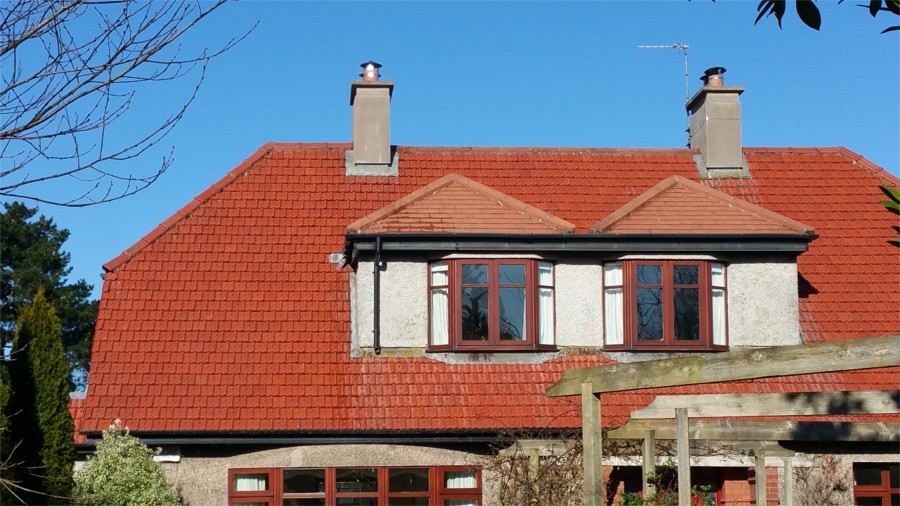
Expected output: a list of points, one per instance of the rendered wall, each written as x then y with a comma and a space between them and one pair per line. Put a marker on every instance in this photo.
763, 307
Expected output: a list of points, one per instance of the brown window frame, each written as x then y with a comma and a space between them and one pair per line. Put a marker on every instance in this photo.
882, 490
705, 288
437, 493
493, 285
252, 496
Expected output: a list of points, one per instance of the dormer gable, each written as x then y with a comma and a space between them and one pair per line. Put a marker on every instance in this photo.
677, 205
456, 204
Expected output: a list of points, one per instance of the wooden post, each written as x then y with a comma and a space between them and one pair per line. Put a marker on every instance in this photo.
788, 482
683, 454
649, 463
591, 440
760, 479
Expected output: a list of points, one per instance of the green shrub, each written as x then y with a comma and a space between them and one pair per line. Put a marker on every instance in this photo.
122, 471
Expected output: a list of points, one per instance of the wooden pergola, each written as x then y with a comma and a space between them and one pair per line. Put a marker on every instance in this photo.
668, 416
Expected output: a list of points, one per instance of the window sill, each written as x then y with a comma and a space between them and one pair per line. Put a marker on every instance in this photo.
668, 349
506, 349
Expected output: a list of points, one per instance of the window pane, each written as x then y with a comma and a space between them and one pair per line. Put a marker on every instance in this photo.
686, 275
895, 475
474, 314
687, 314
409, 501
408, 480
867, 474
251, 482
649, 314
612, 314
545, 274
512, 314
307, 501
868, 501
612, 275
357, 480
254, 503
439, 275
460, 502
357, 501
440, 319
304, 481
718, 275
545, 316
649, 274
460, 479
512, 274
718, 317
474, 274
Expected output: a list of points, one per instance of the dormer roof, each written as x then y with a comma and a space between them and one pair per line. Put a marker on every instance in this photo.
456, 204
677, 205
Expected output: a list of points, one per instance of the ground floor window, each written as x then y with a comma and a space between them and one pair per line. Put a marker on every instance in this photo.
355, 486
876, 484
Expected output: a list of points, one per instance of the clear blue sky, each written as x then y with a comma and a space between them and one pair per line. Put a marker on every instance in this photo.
502, 74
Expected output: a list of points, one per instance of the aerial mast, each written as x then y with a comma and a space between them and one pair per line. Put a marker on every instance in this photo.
679, 46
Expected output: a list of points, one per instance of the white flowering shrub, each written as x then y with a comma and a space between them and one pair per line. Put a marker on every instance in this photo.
122, 472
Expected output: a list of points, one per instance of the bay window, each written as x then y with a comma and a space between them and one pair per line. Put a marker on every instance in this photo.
665, 305
491, 304
356, 486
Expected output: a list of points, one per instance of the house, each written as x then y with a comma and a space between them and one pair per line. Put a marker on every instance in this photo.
360, 323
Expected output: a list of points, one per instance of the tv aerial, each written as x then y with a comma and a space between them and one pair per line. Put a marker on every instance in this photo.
683, 48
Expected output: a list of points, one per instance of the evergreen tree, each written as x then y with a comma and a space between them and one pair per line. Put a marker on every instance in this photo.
122, 471
32, 257
38, 410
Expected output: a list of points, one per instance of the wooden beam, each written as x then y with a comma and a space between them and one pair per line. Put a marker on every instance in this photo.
683, 455
760, 467
592, 443
851, 354
728, 430
648, 463
788, 482
807, 403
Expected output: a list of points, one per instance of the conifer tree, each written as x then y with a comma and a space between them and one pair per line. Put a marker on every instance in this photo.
38, 411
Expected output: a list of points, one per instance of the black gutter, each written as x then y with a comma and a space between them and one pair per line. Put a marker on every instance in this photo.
376, 324
275, 438
614, 243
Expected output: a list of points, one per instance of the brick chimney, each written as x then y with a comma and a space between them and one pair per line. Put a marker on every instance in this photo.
370, 99
715, 129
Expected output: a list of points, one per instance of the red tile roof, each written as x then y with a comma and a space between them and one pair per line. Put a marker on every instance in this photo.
455, 203
229, 316
679, 206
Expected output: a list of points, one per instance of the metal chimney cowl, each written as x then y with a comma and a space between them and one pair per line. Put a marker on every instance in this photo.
715, 127
370, 100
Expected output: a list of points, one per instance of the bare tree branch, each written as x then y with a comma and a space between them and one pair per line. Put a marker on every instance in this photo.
71, 69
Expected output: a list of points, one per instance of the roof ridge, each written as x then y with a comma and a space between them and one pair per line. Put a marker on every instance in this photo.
191, 206
671, 181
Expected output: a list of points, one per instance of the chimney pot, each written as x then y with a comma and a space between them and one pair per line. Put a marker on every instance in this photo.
370, 71
714, 76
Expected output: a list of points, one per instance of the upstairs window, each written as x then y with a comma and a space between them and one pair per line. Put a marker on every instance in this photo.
491, 305
664, 305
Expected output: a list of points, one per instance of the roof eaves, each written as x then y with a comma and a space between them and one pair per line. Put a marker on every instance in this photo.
191, 206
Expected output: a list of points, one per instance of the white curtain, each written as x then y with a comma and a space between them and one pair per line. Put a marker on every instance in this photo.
545, 304
460, 502
251, 482
613, 304
440, 321
460, 479
719, 329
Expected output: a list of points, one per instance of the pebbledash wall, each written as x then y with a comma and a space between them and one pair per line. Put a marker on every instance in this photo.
763, 307
202, 480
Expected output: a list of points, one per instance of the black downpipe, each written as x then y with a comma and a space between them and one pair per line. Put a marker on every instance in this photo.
376, 325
